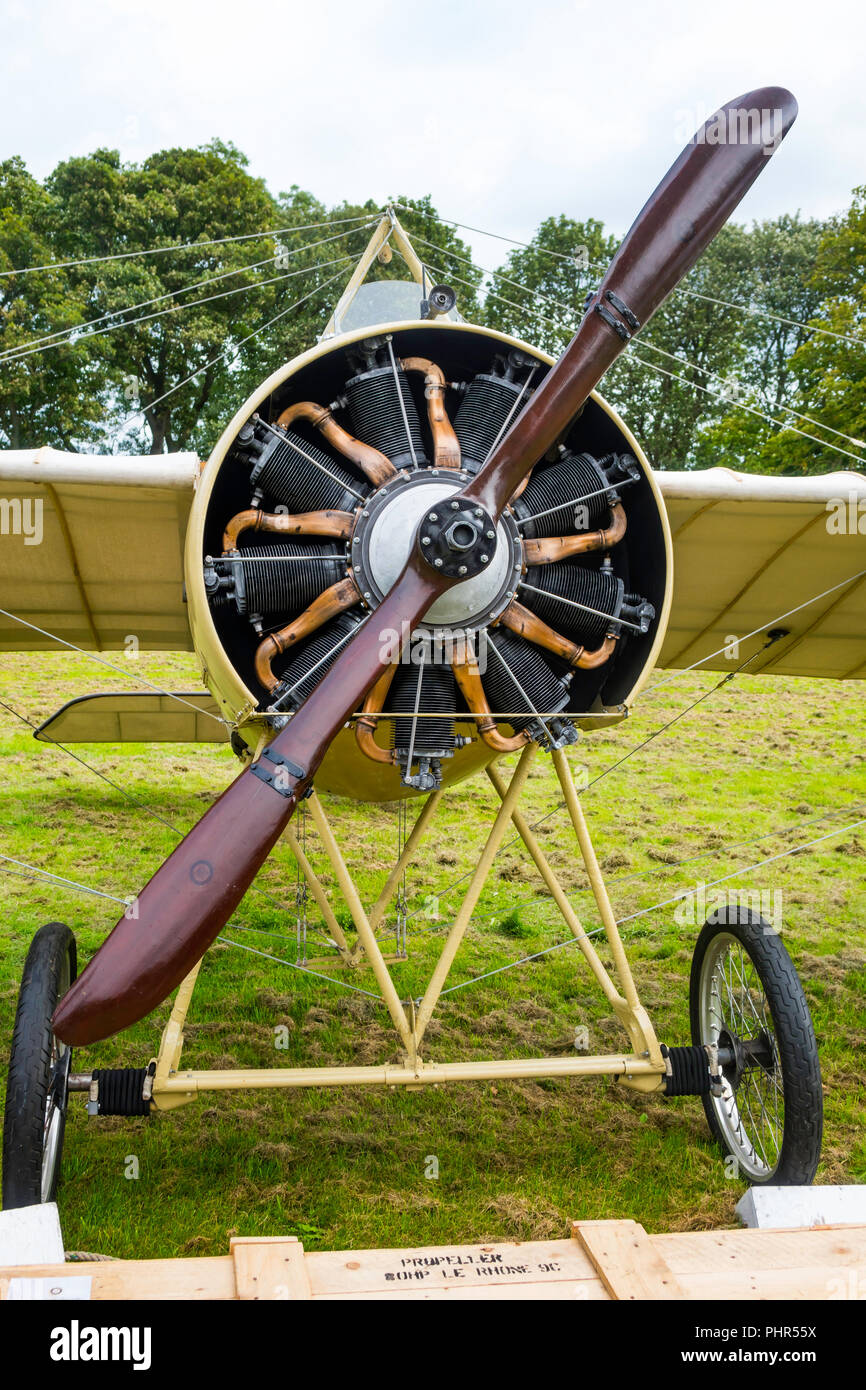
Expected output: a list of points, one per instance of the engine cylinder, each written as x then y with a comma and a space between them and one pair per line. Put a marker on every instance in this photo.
308, 664
374, 409
290, 471
563, 485
567, 584
516, 663
433, 737
260, 585
481, 415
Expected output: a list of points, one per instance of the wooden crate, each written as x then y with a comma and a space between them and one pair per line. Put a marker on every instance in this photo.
601, 1260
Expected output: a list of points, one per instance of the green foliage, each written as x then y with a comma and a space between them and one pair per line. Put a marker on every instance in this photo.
348, 1167
514, 925
725, 352
47, 397
715, 353
174, 197
538, 294
833, 370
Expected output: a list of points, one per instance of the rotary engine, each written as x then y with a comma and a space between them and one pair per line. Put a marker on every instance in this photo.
314, 509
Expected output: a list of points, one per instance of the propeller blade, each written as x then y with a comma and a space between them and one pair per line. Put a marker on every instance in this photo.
191, 897
675, 226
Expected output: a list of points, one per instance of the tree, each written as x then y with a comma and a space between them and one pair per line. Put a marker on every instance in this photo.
785, 286
436, 244
46, 397
539, 292
832, 370
201, 196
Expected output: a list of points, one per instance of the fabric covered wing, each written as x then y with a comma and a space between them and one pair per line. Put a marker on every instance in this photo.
186, 716
750, 548
91, 549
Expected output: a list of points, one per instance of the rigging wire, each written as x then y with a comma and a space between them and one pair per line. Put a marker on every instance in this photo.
235, 352
747, 309
184, 246
676, 675
130, 796
31, 871
58, 878
718, 850
177, 308
629, 355
110, 664
852, 579
728, 379
517, 839
67, 334
584, 936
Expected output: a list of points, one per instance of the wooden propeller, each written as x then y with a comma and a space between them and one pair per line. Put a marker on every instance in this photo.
191, 897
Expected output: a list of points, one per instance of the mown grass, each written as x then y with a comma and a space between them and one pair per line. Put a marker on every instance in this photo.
351, 1168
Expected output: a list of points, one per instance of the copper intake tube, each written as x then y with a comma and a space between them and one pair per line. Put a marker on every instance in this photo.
547, 552
377, 469
468, 678
446, 447
335, 524
365, 726
526, 624
330, 602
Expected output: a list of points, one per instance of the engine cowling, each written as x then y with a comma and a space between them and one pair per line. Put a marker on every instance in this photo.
304, 516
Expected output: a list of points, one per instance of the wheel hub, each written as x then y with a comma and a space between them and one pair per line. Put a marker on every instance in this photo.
737, 1055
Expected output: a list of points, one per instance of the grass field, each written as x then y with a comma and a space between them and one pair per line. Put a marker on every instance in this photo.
782, 759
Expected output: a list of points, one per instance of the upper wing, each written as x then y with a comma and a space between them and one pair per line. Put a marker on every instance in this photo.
749, 549
91, 549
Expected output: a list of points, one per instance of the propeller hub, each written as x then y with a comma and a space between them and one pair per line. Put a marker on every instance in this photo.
453, 541
484, 558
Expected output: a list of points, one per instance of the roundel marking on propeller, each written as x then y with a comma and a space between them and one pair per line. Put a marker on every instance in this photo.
144, 959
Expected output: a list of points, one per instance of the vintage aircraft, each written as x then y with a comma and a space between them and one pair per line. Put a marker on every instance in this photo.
417, 547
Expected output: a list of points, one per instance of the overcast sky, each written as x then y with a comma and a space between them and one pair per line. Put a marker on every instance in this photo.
505, 113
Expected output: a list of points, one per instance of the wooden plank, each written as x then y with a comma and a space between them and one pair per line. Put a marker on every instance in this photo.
493, 1266
581, 1291
269, 1267
603, 1259
810, 1283
201, 1278
628, 1263
31, 1233
697, 1251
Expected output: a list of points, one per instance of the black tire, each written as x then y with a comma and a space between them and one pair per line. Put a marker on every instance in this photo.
35, 1115
761, 987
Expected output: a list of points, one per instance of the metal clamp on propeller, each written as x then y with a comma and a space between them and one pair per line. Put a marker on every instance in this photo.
283, 776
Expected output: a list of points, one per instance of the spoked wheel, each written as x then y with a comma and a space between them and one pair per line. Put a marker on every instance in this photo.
746, 998
35, 1116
